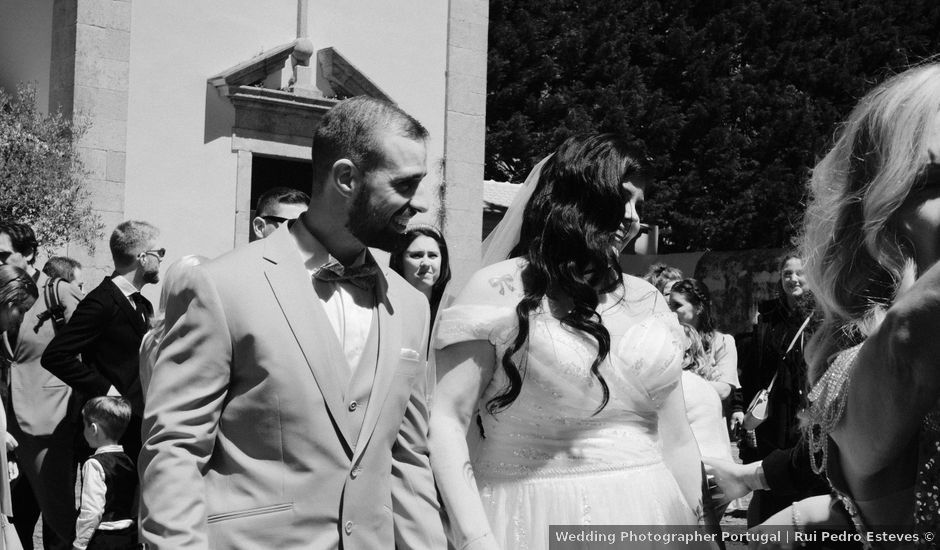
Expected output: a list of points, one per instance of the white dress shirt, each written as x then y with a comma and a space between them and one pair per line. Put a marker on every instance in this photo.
93, 500
348, 307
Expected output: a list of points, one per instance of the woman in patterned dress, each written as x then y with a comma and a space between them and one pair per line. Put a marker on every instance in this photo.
871, 243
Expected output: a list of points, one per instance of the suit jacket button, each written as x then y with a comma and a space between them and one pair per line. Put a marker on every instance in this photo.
353, 406
355, 472
348, 527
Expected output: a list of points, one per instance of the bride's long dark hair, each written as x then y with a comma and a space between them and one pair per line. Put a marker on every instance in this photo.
568, 237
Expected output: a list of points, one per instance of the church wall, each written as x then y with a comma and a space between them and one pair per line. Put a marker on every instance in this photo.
181, 170
26, 45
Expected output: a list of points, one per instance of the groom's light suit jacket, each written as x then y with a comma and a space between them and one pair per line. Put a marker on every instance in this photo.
256, 437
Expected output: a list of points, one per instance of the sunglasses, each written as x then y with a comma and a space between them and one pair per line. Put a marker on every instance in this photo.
158, 252
274, 220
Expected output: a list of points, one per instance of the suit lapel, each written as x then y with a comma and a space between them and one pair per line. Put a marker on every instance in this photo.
388, 357
309, 324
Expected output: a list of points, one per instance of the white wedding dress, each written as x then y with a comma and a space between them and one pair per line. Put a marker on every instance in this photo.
548, 459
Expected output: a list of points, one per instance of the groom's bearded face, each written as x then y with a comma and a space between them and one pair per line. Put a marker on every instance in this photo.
368, 224
386, 198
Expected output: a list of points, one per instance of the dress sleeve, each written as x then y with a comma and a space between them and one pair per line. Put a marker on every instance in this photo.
463, 323
726, 361
652, 351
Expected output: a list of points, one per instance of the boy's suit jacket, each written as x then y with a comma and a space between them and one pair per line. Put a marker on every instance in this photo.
256, 437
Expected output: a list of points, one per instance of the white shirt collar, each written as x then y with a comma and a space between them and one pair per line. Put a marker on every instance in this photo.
109, 449
311, 250
126, 287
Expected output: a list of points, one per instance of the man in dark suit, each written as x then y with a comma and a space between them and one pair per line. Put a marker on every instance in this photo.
108, 325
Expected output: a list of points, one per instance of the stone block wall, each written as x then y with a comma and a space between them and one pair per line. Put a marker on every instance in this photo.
465, 135
90, 76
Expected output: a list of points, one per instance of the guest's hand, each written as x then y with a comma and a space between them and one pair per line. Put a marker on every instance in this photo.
733, 480
11, 442
13, 470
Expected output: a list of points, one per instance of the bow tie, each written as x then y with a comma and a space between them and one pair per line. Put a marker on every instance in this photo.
362, 276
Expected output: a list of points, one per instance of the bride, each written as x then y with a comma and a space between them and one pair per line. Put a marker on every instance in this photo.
574, 369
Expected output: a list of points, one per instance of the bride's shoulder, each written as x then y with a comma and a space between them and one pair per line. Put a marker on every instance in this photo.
640, 292
496, 284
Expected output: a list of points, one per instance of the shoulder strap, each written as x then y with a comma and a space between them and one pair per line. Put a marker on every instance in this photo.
790, 347
54, 308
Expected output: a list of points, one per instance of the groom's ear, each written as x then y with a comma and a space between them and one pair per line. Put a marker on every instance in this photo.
344, 177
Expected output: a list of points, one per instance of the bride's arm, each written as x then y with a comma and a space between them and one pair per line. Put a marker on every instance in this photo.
463, 371
680, 449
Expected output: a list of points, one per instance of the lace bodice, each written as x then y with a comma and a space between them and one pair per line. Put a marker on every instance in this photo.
552, 427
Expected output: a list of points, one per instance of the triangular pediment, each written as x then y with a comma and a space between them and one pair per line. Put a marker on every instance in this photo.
335, 76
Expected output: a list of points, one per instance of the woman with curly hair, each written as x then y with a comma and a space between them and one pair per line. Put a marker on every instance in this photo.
574, 368
872, 245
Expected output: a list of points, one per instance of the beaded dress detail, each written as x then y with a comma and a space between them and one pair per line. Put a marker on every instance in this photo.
827, 404
548, 459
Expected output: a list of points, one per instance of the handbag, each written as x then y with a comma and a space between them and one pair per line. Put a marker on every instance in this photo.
758, 409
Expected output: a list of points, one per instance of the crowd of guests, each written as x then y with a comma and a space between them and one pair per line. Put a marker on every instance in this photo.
281, 395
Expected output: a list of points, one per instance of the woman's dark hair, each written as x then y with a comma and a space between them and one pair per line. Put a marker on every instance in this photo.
697, 293
396, 261
17, 288
568, 237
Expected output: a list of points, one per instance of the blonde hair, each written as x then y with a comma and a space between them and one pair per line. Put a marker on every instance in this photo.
855, 261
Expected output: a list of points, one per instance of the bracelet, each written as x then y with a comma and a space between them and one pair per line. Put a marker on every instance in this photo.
797, 521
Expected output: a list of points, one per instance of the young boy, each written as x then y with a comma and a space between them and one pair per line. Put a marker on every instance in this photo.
109, 480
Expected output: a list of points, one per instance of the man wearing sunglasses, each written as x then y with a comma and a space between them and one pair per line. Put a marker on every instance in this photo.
275, 207
108, 326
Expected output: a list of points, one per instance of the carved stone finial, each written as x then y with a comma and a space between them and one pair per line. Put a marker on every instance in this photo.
303, 51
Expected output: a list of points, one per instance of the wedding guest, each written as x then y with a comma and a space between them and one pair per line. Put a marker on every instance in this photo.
18, 293
663, 276
776, 353
704, 411
96, 352
601, 356
424, 262
692, 302
275, 207
871, 248
42, 412
109, 479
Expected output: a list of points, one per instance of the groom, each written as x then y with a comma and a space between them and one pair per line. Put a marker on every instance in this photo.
288, 405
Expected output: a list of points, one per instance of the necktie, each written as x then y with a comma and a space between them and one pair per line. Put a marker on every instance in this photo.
142, 306
363, 276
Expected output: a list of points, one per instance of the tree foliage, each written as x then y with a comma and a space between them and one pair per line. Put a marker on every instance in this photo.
42, 178
733, 100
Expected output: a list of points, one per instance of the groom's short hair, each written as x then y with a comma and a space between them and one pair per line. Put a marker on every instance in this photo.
353, 130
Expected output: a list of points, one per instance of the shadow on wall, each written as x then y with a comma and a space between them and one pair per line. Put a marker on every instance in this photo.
738, 280
220, 115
